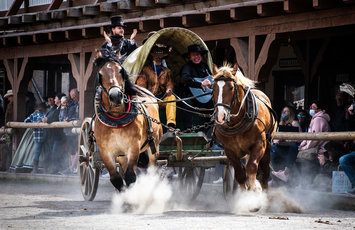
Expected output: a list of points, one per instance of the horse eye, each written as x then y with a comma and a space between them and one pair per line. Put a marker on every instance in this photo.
231, 88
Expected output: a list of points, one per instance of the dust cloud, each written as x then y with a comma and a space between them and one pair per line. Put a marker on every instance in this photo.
150, 194
153, 193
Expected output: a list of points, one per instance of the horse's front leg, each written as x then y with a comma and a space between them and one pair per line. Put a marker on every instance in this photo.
130, 174
252, 167
239, 170
110, 164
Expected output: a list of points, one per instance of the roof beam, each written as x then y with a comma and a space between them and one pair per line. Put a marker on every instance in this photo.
28, 18
3, 21
56, 36
59, 14
15, 6
170, 22
39, 38
214, 17
297, 6
90, 32
164, 2
73, 34
243, 13
43, 16
76, 12
270, 9
91, 10
324, 4
108, 7
149, 25
14, 20
126, 5
55, 4
192, 20
145, 3
24, 40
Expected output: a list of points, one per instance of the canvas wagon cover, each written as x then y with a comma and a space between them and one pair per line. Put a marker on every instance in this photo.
177, 38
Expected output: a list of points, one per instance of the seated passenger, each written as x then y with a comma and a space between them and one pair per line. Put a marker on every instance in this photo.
194, 75
157, 79
285, 150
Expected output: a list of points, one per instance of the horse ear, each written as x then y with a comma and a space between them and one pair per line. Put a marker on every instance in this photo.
235, 69
214, 69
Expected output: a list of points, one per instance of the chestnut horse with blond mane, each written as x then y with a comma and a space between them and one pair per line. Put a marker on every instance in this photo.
245, 125
123, 127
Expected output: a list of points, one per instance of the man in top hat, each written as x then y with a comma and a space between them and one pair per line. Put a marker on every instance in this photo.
193, 69
9, 114
116, 40
157, 78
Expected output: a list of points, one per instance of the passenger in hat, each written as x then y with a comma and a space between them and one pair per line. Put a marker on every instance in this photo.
9, 113
193, 69
158, 79
116, 40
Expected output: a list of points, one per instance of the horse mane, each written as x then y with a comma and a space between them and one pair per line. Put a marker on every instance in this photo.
228, 71
130, 88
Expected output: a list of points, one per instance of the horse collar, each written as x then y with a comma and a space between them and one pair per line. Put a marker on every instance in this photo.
115, 122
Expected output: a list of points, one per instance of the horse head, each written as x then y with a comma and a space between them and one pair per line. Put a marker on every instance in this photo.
113, 79
228, 91
225, 93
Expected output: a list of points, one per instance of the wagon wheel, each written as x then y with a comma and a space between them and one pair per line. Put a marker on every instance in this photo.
89, 174
229, 182
191, 179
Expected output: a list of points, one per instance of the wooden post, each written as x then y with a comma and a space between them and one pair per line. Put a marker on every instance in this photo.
81, 72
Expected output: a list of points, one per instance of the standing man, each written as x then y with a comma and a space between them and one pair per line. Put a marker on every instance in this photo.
73, 114
194, 75
116, 40
55, 136
158, 80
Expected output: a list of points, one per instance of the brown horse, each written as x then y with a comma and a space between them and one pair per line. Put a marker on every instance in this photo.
123, 128
245, 125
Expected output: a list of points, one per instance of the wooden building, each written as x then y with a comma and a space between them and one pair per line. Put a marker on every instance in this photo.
306, 45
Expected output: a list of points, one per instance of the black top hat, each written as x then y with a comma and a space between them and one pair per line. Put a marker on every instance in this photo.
195, 48
117, 21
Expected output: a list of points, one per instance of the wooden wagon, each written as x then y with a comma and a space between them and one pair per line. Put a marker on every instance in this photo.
187, 152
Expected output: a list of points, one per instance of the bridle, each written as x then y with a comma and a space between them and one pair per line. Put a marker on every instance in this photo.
108, 55
235, 94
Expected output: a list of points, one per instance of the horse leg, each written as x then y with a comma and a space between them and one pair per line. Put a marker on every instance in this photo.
115, 177
130, 174
264, 166
153, 157
252, 168
239, 170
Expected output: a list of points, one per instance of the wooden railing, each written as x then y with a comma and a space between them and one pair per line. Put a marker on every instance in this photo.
330, 136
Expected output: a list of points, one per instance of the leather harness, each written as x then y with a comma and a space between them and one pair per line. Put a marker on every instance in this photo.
250, 114
132, 108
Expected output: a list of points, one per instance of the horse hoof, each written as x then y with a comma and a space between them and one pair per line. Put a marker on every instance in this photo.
117, 182
130, 177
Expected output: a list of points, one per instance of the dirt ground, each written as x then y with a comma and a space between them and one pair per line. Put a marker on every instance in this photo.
43, 205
